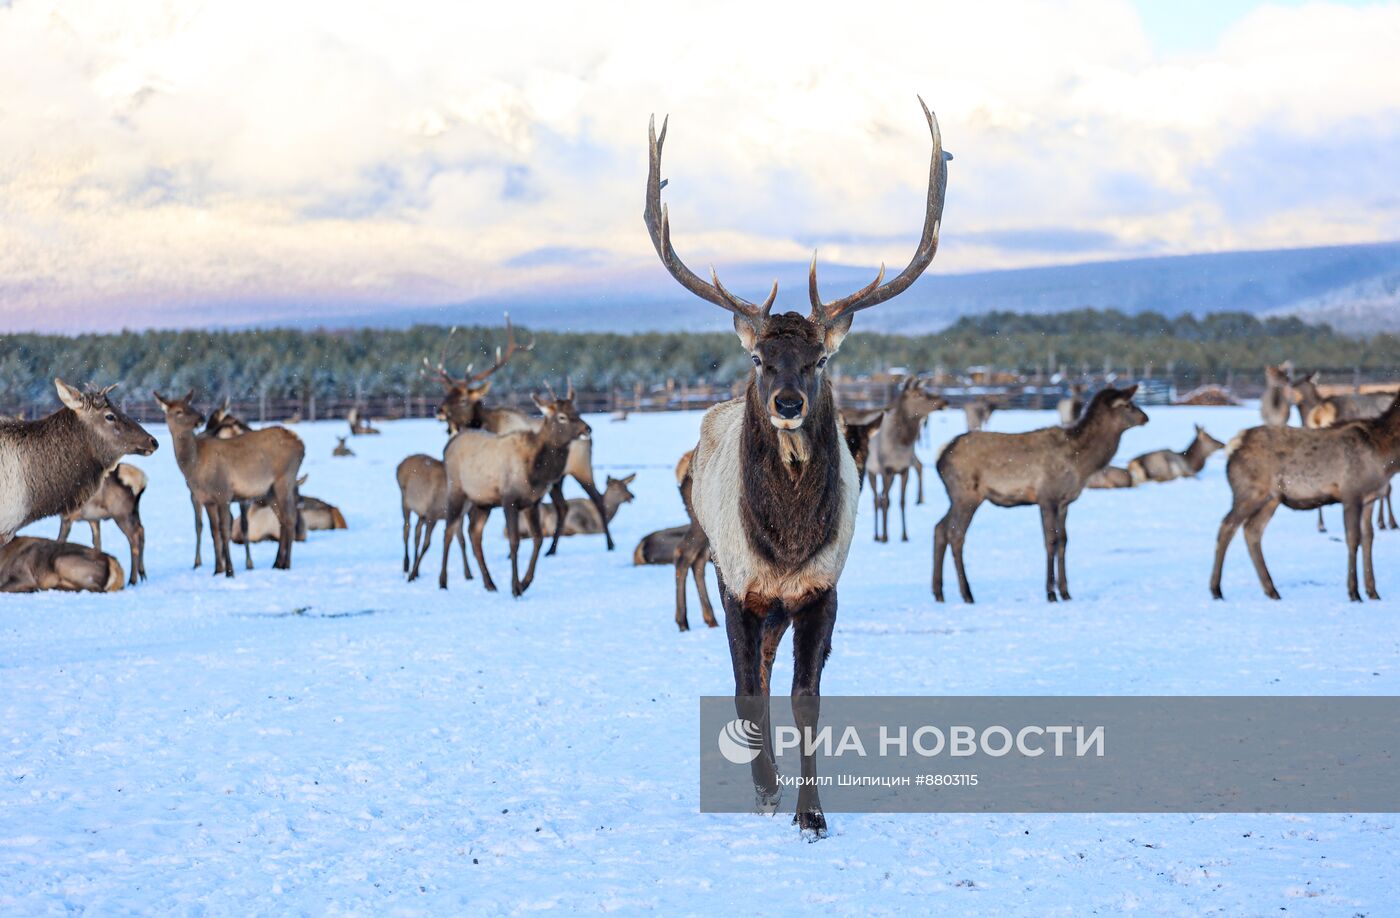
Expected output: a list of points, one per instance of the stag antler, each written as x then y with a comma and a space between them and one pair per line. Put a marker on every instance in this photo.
441, 368
873, 294
502, 359
658, 221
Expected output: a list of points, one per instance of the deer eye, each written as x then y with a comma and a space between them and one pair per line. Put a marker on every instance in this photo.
821, 363
111, 416
756, 361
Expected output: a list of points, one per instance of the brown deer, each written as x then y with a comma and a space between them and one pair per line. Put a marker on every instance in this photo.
660, 547
859, 429
53, 465
118, 499
1047, 468
28, 565
1277, 401
463, 409
360, 427
1110, 476
1318, 411
341, 450
222, 425
693, 552
242, 468
978, 411
892, 451
1071, 406
1168, 464
774, 488
512, 471
313, 515
1303, 468
581, 516
423, 491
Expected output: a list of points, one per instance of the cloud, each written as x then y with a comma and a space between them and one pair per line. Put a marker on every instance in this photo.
161, 158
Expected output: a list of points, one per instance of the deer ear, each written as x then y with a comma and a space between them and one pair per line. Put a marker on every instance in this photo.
160, 400
748, 335
302, 480
480, 391
67, 394
1128, 393
546, 407
189, 396
836, 333
629, 479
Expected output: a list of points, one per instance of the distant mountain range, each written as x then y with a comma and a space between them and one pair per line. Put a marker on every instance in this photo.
1354, 287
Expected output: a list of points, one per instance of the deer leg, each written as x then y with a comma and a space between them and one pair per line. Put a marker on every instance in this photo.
561, 512
462, 543
198, 530
684, 559
132, 530
96, 533
513, 535
886, 485
1232, 521
957, 533
1321, 526
1351, 519
248, 536
64, 526
1060, 551
919, 475
811, 645
773, 632
697, 570
597, 498
422, 540
479, 516
1254, 541
537, 537
940, 546
903, 525
290, 514
875, 502
745, 629
1368, 533
407, 517
1049, 523
226, 537
456, 505
1390, 508
212, 510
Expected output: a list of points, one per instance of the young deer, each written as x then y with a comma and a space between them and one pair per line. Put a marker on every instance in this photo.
1318, 411
1047, 467
859, 429
242, 468
313, 515
1071, 406
773, 486
53, 465
1110, 476
1277, 401
1304, 468
892, 452
581, 516
28, 565
1167, 464
693, 552
512, 471
341, 450
117, 499
423, 491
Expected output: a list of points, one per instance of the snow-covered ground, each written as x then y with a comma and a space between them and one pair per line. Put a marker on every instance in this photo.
334, 740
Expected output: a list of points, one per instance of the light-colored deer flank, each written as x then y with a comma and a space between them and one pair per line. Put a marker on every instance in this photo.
1047, 468
1301, 469
28, 565
774, 487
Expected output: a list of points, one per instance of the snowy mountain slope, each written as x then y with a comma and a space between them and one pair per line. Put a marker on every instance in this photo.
331, 740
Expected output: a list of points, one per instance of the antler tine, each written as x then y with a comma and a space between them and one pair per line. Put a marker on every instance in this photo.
658, 221
502, 358
875, 294
550, 389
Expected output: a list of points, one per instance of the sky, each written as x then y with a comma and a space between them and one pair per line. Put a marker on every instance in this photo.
219, 162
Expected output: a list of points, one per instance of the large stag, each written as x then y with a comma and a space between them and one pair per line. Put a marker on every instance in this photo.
463, 408
243, 468
774, 486
53, 465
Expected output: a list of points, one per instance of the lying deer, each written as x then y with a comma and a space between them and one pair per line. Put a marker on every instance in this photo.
892, 452
1047, 468
1277, 401
118, 499
512, 471
1071, 406
243, 468
423, 491
773, 486
1110, 476
1318, 411
660, 547
581, 516
53, 465
1167, 464
341, 449
28, 565
978, 412
1303, 468
313, 515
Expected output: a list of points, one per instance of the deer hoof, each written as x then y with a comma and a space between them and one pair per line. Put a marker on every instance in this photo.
1064, 594
711, 623
1273, 594
682, 627
1050, 596
812, 823
1372, 594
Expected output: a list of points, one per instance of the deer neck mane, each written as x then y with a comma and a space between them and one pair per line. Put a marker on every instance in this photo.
548, 461
791, 489
1095, 437
186, 445
51, 480
1196, 454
